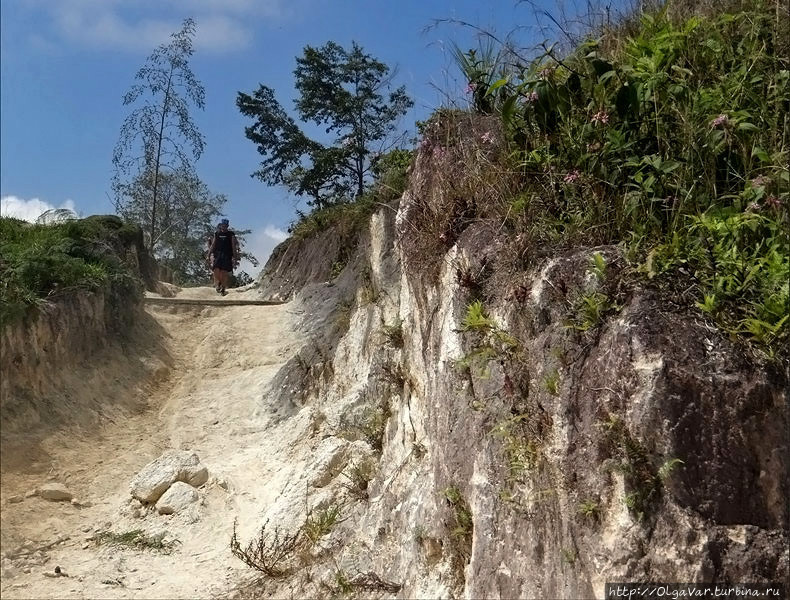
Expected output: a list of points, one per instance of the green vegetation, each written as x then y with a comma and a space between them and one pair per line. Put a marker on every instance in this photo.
359, 475
337, 269
42, 263
155, 183
463, 525
643, 480
521, 448
590, 509
320, 523
568, 556
476, 318
389, 182
369, 426
551, 381
341, 91
137, 540
672, 142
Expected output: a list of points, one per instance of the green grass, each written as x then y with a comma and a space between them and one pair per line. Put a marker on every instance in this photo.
320, 523
137, 540
40, 263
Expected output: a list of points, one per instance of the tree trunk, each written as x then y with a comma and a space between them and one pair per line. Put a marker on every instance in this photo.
158, 158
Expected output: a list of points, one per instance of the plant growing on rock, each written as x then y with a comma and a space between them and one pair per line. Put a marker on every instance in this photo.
359, 474
551, 381
463, 525
369, 426
394, 333
590, 509
320, 523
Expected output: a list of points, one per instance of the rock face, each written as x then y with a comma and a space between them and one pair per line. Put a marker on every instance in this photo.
526, 457
56, 492
178, 497
158, 475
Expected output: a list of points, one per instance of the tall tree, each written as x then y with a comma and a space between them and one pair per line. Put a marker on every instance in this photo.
345, 91
154, 136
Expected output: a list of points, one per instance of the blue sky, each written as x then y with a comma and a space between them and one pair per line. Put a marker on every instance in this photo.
67, 63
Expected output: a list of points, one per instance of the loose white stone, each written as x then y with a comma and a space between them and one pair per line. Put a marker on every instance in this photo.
178, 497
157, 476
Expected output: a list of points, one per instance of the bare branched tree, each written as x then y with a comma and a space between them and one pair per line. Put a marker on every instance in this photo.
155, 136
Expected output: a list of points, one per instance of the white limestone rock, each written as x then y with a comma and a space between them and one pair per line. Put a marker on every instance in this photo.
157, 476
178, 497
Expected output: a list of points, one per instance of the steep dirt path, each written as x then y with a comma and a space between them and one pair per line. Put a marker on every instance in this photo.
215, 402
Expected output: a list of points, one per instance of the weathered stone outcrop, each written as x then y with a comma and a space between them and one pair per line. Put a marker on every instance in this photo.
536, 455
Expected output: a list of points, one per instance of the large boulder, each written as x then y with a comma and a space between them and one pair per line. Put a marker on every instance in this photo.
177, 497
157, 476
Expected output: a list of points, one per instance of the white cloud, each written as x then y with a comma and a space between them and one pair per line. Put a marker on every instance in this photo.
261, 243
28, 210
222, 25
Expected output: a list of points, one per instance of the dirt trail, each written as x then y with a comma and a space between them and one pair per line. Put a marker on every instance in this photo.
216, 402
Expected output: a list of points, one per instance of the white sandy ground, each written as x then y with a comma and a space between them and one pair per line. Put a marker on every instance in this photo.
216, 402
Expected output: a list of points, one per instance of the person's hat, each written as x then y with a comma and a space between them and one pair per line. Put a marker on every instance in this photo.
224, 222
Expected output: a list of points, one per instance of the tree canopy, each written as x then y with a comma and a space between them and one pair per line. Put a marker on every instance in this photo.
348, 93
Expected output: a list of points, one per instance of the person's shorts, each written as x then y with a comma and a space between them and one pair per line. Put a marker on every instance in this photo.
223, 262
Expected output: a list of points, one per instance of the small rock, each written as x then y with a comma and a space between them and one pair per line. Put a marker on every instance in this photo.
55, 492
87, 529
179, 496
31, 493
85, 546
15, 499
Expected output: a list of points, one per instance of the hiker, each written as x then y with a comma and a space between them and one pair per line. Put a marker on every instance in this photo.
224, 251
207, 255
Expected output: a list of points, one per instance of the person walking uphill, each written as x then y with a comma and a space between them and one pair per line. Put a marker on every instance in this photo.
224, 251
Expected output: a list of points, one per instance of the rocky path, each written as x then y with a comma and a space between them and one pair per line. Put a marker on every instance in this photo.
215, 401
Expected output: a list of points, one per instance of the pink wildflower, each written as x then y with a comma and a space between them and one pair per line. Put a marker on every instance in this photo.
753, 207
601, 117
773, 202
761, 181
547, 72
471, 87
572, 177
488, 138
532, 97
721, 120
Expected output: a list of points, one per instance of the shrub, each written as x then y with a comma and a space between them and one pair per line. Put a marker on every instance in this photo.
273, 553
673, 142
44, 261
